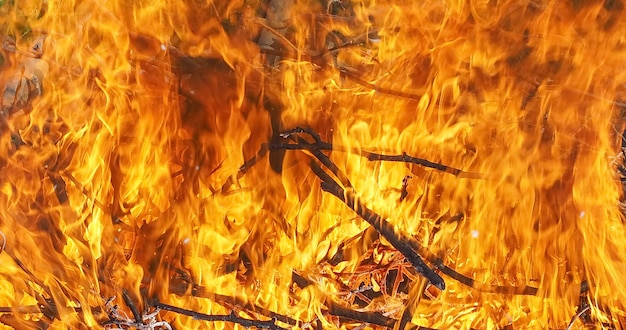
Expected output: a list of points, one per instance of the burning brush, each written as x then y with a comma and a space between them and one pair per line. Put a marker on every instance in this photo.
312, 164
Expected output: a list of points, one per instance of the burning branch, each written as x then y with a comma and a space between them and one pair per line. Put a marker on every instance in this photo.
320, 145
407, 246
227, 301
232, 318
386, 230
117, 320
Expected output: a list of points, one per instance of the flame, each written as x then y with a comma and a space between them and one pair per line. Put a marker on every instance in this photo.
142, 159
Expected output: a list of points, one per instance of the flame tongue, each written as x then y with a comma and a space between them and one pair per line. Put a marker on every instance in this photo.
149, 150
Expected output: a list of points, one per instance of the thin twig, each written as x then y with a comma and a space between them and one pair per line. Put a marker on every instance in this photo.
379, 89
201, 292
372, 156
232, 317
246, 166
32, 309
96, 202
278, 35
404, 158
319, 144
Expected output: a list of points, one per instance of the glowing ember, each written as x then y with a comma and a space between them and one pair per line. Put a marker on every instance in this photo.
312, 164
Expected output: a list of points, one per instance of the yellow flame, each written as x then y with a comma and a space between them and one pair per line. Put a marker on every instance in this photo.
126, 125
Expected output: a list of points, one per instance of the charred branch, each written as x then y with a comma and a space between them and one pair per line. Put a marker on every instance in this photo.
386, 230
118, 320
245, 167
115, 219
405, 245
228, 301
404, 158
371, 156
410, 248
231, 318
129, 302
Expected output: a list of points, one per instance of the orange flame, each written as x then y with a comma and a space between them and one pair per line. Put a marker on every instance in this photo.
130, 162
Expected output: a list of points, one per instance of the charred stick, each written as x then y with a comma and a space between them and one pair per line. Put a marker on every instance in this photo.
115, 219
372, 156
332, 167
201, 292
296, 130
232, 317
325, 160
246, 166
59, 187
412, 249
370, 317
583, 302
32, 309
46, 305
367, 317
19, 323
319, 144
404, 158
133, 308
387, 230
438, 262
355, 78
344, 72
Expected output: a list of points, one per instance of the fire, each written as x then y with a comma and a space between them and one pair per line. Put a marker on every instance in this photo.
312, 164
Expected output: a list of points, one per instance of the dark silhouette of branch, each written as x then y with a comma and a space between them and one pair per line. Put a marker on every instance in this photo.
232, 317
411, 248
386, 229
408, 245
404, 158
246, 166
483, 287
318, 145
133, 308
180, 288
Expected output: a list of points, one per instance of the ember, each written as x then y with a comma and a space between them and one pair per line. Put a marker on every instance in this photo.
312, 164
